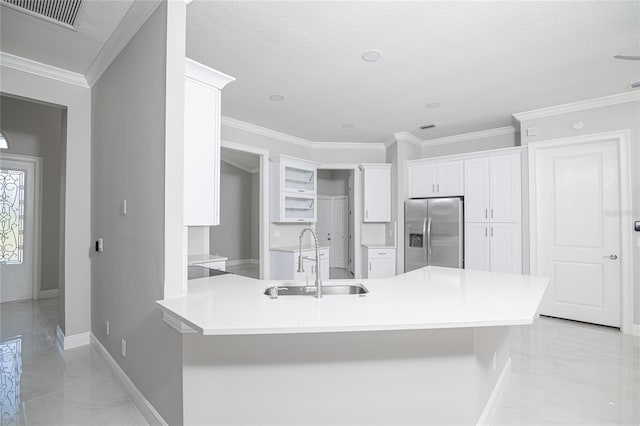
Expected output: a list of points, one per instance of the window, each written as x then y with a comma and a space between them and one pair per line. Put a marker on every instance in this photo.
11, 216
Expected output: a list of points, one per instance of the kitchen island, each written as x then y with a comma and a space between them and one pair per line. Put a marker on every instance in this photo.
426, 347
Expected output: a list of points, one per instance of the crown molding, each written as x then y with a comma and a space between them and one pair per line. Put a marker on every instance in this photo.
134, 19
48, 71
603, 101
498, 131
347, 145
407, 137
283, 137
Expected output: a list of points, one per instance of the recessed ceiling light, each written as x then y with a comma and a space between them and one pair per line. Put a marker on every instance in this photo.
348, 126
628, 57
427, 126
4, 143
276, 98
372, 55
433, 104
634, 84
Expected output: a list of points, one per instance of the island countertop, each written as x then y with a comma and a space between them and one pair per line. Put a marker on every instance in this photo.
427, 298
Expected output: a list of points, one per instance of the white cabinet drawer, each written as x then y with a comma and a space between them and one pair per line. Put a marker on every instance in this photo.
387, 253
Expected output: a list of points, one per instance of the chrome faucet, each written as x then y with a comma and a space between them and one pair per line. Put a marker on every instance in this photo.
301, 264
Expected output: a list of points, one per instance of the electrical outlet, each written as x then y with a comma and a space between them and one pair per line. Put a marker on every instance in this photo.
124, 207
494, 361
106, 327
124, 348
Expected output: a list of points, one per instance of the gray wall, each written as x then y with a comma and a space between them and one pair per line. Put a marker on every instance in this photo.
255, 216
36, 129
128, 162
233, 237
597, 120
483, 144
333, 182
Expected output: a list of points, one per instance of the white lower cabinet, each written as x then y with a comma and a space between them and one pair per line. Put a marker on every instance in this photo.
378, 262
495, 247
284, 265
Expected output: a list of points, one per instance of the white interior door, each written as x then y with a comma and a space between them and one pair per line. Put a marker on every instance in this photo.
18, 229
324, 224
578, 212
340, 231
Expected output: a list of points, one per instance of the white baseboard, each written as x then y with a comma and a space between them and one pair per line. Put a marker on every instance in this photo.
242, 262
635, 330
496, 394
48, 294
70, 342
139, 400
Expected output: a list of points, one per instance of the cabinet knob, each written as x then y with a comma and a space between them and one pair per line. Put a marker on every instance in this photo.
612, 257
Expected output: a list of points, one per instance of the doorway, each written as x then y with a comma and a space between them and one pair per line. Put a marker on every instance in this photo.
19, 227
334, 225
580, 224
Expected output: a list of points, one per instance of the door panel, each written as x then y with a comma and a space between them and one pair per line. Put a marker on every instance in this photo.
377, 195
476, 246
476, 198
450, 178
578, 213
506, 243
324, 225
415, 239
422, 180
444, 232
505, 188
17, 265
339, 255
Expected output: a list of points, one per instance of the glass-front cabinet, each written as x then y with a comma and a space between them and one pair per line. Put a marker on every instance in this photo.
293, 190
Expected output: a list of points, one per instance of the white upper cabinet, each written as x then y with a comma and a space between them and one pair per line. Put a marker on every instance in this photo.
293, 190
377, 192
493, 189
202, 92
429, 178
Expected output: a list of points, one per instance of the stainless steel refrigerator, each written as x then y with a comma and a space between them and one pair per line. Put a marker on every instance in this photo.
433, 233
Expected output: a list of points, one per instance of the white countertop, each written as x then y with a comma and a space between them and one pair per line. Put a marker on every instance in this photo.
427, 298
194, 259
294, 249
379, 246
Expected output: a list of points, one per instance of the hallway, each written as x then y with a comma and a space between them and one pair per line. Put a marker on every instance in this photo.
42, 386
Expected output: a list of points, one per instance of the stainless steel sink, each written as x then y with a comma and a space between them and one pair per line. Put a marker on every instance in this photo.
327, 290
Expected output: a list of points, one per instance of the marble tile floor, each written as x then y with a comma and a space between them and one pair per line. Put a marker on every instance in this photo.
41, 385
250, 270
571, 373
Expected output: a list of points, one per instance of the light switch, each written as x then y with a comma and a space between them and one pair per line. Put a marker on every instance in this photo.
124, 207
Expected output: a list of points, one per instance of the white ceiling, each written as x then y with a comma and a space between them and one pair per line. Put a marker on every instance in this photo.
33, 38
482, 61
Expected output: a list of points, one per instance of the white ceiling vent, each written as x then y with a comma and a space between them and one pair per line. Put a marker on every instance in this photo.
61, 12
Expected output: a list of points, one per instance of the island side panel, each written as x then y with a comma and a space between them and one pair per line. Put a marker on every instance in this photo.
387, 377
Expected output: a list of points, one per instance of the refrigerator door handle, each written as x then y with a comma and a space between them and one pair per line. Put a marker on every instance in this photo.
424, 237
428, 240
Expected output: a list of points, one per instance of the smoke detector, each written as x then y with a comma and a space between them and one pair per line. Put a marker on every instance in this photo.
63, 13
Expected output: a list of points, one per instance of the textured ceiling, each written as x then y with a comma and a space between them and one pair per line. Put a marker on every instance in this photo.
32, 38
482, 61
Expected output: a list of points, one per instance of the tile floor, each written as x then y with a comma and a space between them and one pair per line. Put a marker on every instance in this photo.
564, 373
39, 385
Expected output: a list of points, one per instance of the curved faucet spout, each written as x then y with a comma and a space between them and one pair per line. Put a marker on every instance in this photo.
301, 263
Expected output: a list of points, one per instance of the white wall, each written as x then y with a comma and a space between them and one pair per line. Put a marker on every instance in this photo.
596, 120
36, 129
74, 285
233, 237
129, 162
481, 144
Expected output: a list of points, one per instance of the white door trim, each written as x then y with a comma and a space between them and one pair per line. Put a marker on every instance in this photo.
622, 138
265, 254
37, 218
357, 208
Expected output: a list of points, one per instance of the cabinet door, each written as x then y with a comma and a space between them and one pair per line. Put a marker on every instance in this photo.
422, 180
377, 195
297, 208
381, 268
450, 178
477, 246
201, 154
506, 247
476, 191
505, 188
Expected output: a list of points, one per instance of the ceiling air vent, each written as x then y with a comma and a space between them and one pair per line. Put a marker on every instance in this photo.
61, 12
